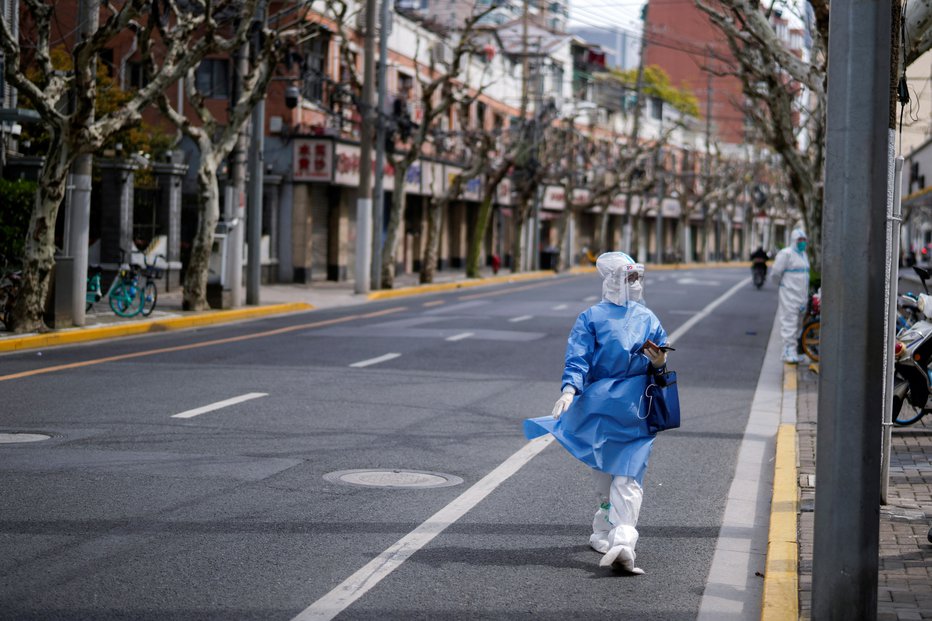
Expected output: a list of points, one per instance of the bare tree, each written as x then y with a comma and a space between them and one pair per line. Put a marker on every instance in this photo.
786, 95
439, 92
215, 140
66, 102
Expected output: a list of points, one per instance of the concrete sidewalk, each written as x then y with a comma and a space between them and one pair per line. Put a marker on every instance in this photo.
905, 573
275, 299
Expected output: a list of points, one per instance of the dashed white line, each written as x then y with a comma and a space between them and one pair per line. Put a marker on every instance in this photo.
591, 298
560, 306
460, 336
371, 361
521, 318
219, 404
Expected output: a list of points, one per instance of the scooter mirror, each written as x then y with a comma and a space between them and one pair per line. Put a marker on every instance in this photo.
923, 275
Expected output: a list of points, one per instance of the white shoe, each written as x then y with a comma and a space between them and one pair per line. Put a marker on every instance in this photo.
619, 554
599, 542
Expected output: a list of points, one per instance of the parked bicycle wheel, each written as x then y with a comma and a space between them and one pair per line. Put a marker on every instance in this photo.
809, 340
126, 299
150, 297
904, 412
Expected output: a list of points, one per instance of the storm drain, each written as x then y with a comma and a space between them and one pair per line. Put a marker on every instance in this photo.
393, 478
13, 438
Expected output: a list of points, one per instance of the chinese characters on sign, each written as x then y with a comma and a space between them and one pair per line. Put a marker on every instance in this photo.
313, 160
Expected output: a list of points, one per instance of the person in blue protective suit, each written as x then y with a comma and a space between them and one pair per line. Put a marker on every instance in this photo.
791, 270
600, 416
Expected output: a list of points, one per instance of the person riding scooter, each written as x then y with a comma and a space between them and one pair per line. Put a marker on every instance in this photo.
759, 266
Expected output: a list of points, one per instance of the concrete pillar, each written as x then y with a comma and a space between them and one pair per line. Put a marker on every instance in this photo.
321, 198
301, 220
337, 235
168, 212
271, 214
285, 227
116, 214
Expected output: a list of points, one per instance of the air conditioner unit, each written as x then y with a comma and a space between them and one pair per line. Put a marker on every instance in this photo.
440, 52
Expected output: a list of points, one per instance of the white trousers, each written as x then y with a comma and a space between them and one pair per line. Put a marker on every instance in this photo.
615, 521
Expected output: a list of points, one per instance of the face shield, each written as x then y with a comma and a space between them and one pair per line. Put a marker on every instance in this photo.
622, 278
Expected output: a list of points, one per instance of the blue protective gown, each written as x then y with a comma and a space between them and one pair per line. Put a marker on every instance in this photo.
602, 427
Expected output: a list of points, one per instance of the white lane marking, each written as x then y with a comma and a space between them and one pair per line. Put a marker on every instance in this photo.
371, 361
705, 312
730, 589
560, 306
354, 587
460, 336
521, 318
434, 303
591, 298
219, 404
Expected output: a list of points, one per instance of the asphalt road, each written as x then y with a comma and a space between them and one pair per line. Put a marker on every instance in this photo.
131, 513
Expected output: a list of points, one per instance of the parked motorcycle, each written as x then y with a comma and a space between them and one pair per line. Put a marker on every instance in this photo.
912, 384
808, 342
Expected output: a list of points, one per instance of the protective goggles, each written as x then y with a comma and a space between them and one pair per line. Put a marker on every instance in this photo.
633, 273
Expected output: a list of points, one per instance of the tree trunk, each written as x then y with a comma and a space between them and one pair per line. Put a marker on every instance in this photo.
602, 241
706, 235
517, 242
482, 221
395, 219
435, 212
195, 281
39, 251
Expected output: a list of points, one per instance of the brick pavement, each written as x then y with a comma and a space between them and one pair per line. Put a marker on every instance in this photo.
905, 575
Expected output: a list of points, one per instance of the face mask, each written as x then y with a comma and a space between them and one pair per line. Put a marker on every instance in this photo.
801, 246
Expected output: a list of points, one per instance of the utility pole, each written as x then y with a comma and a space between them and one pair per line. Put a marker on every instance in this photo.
378, 194
635, 131
256, 174
707, 165
364, 200
79, 216
859, 141
235, 211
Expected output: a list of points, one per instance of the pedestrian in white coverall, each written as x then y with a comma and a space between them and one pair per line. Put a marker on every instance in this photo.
791, 270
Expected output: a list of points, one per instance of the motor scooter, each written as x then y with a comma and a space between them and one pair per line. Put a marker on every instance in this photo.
759, 272
912, 384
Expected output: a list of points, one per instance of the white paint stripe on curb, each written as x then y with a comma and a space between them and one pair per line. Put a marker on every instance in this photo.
371, 361
219, 404
354, 587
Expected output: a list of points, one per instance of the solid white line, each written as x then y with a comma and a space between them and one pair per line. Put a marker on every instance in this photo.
705, 312
371, 361
460, 336
560, 306
731, 590
219, 404
354, 587
521, 318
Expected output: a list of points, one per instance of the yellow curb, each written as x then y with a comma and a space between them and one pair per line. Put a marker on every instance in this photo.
781, 581
80, 335
462, 284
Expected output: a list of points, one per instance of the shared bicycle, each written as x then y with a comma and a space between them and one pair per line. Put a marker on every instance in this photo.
127, 296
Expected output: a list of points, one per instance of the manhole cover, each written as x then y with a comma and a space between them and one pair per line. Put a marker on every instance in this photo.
12, 438
393, 478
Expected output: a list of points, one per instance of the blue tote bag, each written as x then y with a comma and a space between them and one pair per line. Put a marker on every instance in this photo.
660, 404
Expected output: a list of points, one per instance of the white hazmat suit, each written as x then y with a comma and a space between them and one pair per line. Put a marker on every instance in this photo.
791, 270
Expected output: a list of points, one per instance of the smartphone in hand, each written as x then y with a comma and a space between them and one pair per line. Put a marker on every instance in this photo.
649, 344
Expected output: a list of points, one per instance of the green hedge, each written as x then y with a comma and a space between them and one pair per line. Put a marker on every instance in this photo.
17, 198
